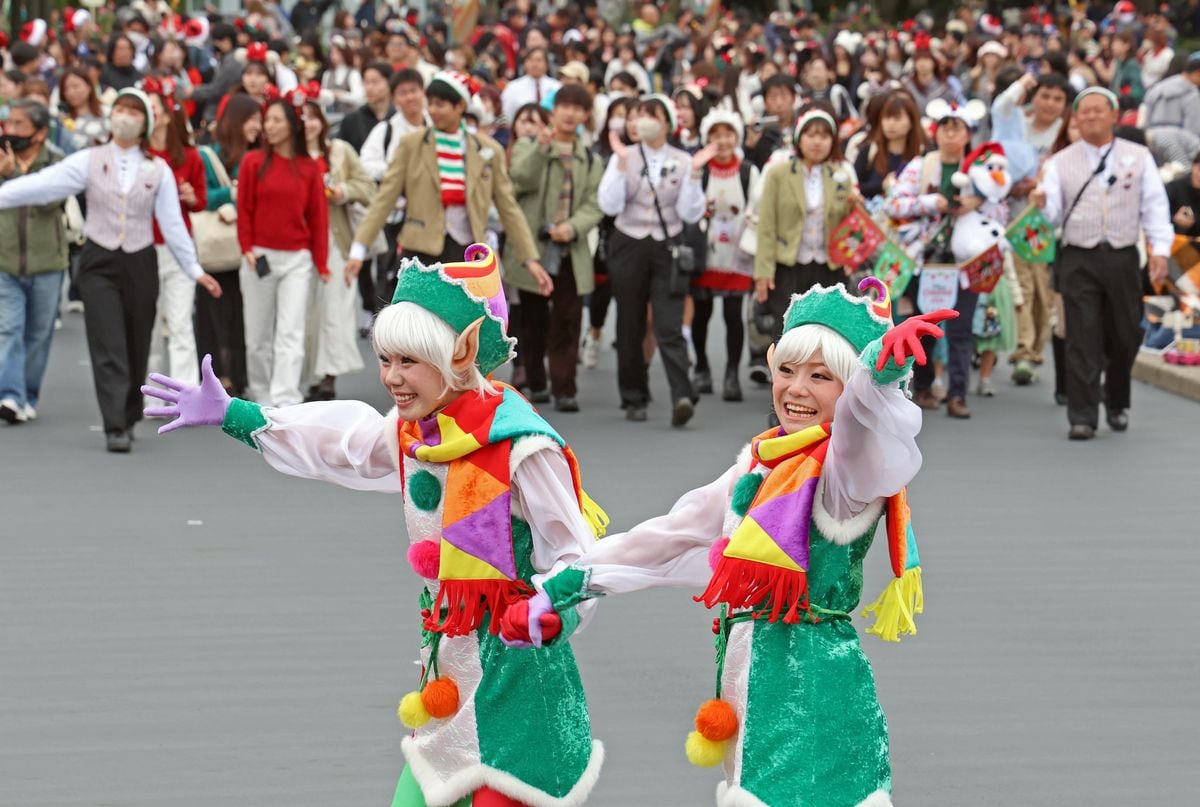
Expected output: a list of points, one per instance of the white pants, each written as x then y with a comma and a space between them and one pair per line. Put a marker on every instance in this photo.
173, 340
274, 309
333, 322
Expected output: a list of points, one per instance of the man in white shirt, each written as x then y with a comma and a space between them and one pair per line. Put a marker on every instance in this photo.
408, 97
1103, 191
530, 88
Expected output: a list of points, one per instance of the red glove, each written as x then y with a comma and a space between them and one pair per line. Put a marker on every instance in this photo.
514, 625
904, 340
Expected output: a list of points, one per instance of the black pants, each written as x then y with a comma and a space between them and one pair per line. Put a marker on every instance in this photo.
551, 325
598, 303
796, 279
640, 273
221, 330
452, 252
120, 291
735, 333
1101, 289
960, 345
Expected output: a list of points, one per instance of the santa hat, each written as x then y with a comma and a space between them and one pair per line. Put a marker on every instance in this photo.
34, 32
460, 84
991, 25
980, 155
1125, 11
195, 31
993, 47
75, 18
722, 117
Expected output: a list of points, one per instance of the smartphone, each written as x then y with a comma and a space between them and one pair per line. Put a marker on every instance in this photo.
261, 266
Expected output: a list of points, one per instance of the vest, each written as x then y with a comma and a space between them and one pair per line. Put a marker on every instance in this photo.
1107, 212
638, 218
116, 220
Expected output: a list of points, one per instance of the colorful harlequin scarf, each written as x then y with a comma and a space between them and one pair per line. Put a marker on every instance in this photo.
765, 564
477, 564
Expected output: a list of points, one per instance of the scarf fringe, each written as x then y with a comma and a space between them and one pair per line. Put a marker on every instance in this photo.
741, 583
903, 598
466, 602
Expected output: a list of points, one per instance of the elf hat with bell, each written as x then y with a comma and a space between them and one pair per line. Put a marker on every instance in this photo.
460, 294
858, 320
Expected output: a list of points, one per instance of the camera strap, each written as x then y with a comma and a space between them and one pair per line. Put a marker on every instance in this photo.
654, 196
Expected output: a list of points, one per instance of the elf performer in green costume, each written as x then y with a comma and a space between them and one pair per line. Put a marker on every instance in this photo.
492, 496
777, 543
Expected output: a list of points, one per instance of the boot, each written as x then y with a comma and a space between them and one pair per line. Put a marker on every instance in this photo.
732, 389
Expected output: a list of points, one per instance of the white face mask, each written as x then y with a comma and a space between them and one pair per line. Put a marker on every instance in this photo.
616, 125
647, 128
125, 127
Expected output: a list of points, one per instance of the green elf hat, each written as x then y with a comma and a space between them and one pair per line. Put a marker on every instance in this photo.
461, 293
858, 320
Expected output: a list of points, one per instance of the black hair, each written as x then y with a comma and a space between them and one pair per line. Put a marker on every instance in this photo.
1057, 62
443, 92
781, 81
295, 124
222, 30
625, 77
23, 53
112, 46
405, 76
1053, 81
382, 68
1130, 133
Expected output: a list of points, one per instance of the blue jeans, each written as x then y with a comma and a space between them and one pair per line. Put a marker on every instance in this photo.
28, 306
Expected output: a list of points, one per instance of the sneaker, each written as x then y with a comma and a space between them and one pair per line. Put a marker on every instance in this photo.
1022, 374
74, 307
30, 412
986, 388
539, 396
1118, 420
732, 390
682, 412
12, 412
566, 403
702, 381
591, 351
635, 413
759, 374
1081, 431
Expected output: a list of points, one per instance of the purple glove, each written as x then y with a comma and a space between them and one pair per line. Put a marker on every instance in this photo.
204, 405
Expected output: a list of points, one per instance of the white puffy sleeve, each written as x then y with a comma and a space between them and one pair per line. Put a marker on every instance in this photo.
347, 443
668, 550
873, 448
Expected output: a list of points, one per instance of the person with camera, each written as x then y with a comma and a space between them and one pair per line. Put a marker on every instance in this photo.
556, 180
128, 190
773, 130
32, 266
652, 189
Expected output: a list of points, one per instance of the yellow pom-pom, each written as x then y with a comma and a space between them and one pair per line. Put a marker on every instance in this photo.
412, 711
440, 697
704, 753
716, 720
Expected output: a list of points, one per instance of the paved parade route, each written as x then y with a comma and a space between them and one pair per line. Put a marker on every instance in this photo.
183, 626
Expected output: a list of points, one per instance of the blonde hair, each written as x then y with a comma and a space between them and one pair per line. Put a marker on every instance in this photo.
406, 329
801, 343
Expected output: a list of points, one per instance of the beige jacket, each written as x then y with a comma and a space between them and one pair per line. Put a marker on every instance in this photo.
347, 170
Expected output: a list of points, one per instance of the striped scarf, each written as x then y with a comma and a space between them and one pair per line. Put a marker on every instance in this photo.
764, 565
452, 175
477, 566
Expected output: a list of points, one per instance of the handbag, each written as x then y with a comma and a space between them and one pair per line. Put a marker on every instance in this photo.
215, 231
683, 257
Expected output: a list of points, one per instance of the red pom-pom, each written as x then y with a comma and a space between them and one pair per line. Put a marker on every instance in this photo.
715, 552
440, 697
716, 720
424, 557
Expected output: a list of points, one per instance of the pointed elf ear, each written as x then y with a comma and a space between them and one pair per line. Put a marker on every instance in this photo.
771, 357
466, 346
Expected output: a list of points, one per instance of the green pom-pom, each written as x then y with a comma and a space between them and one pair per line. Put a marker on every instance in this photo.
425, 490
744, 492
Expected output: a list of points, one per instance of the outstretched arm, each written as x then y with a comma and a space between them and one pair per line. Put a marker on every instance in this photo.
344, 442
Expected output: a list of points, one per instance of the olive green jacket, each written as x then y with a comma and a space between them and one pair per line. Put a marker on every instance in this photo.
781, 212
536, 177
32, 237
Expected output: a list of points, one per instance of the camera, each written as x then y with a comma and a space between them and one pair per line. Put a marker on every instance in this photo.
764, 123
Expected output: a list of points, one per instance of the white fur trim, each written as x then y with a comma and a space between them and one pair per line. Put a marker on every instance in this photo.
525, 447
444, 793
391, 431
843, 532
744, 458
734, 796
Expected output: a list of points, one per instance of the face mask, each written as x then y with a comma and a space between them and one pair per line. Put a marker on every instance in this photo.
125, 128
137, 38
647, 128
17, 144
616, 125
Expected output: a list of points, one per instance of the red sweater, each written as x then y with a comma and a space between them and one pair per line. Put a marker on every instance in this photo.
285, 208
192, 171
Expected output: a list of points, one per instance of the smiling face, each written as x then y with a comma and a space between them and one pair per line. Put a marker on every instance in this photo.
805, 393
416, 387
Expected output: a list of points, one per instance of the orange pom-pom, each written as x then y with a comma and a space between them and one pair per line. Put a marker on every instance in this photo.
716, 720
440, 697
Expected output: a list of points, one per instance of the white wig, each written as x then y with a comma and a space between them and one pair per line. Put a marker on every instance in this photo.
800, 344
407, 329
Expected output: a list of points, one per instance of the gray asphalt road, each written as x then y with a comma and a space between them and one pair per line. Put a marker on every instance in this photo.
183, 626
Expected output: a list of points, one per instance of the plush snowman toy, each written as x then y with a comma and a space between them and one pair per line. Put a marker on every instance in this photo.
984, 173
